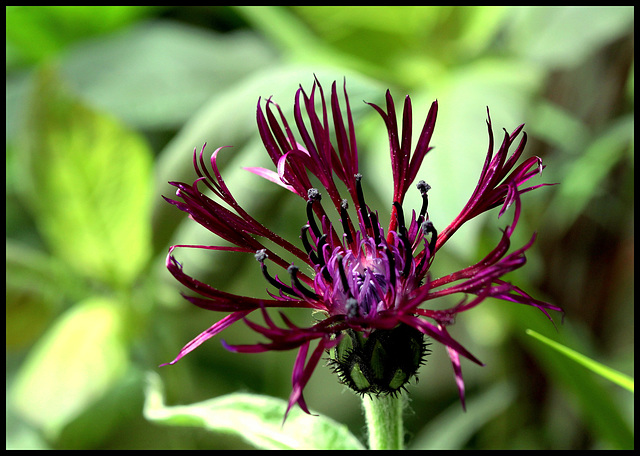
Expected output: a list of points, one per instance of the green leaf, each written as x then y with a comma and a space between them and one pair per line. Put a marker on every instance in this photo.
382, 33
610, 374
72, 366
89, 185
37, 32
557, 36
255, 418
283, 28
29, 307
165, 71
403, 44
451, 430
590, 397
584, 178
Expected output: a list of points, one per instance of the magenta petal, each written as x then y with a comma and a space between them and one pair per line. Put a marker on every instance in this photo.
208, 334
457, 372
296, 376
440, 335
271, 176
302, 374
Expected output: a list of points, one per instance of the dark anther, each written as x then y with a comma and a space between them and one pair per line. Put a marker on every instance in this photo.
392, 266
321, 242
399, 216
402, 232
376, 230
293, 271
424, 188
261, 255
363, 206
344, 219
307, 245
314, 195
343, 275
427, 227
408, 254
317, 259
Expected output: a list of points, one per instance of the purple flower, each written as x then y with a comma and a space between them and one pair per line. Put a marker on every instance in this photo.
372, 286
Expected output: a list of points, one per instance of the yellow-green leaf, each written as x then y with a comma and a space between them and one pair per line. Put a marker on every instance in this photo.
73, 365
255, 418
88, 181
610, 374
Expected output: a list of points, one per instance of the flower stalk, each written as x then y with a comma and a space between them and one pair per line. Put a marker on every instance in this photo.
383, 415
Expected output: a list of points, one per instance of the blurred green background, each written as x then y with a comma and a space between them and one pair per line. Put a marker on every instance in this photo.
106, 104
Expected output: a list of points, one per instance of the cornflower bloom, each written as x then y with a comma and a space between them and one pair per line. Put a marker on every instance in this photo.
370, 285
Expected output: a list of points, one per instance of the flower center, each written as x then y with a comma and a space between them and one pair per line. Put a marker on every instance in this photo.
364, 273
359, 277
360, 284
368, 272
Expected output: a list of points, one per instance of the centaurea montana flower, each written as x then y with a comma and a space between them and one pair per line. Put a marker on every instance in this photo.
370, 285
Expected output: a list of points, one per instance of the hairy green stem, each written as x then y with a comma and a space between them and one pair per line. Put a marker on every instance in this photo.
384, 421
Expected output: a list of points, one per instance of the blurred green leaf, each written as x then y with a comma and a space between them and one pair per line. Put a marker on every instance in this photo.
73, 365
585, 175
257, 419
406, 45
563, 36
120, 407
591, 397
381, 34
37, 32
298, 42
452, 429
29, 307
604, 371
157, 74
88, 183
555, 125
